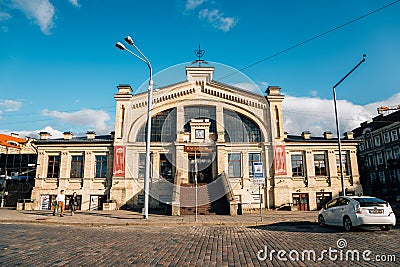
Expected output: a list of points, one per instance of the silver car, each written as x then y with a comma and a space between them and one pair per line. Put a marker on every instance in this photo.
351, 212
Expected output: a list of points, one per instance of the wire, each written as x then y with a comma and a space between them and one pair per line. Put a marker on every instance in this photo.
310, 39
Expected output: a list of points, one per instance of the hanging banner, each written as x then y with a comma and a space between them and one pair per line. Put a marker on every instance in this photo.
280, 160
259, 177
119, 161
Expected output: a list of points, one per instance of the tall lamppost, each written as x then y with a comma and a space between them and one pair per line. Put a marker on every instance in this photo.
143, 58
337, 123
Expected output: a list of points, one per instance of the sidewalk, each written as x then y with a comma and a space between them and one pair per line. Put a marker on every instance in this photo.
130, 218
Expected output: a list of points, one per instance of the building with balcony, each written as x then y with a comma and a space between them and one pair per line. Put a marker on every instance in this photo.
379, 155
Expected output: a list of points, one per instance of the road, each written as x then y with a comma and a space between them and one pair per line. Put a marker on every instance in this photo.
52, 245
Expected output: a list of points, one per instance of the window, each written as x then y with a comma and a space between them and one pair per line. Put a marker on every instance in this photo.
377, 140
101, 166
389, 154
386, 137
371, 160
253, 157
372, 176
362, 146
382, 177
379, 158
239, 128
163, 127
142, 165
234, 165
200, 112
369, 143
319, 165
396, 153
395, 137
398, 175
166, 168
297, 165
77, 166
53, 168
345, 164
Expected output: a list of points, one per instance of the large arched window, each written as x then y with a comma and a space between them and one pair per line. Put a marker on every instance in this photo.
239, 128
163, 127
200, 112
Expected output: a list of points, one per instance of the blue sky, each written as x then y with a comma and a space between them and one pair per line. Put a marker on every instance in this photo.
60, 68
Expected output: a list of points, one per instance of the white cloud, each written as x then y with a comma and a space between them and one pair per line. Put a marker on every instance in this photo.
75, 3
4, 16
91, 119
42, 12
35, 133
10, 105
217, 19
4, 29
252, 87
192, 4
317, 115
313, 93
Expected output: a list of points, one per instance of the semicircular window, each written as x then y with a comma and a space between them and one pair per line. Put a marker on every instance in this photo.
240, 129
163, 127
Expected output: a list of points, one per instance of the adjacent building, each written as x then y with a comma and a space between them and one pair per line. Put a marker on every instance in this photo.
379, 155
17, 169
74, 164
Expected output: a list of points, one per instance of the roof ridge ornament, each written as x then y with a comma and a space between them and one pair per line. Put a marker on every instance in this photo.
199, 53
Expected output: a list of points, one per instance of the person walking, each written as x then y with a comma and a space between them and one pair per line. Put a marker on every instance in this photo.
60, 203
73, 203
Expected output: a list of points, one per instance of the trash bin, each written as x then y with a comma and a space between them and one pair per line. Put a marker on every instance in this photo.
240, 209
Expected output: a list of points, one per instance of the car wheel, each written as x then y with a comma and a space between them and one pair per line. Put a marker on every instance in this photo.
386, 227
348, 226
321, 221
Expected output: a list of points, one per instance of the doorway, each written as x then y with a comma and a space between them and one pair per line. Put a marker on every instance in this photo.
322, 198
204, 168
300, 201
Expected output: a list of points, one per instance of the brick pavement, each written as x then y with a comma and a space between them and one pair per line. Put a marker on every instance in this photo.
37, 245
129, 218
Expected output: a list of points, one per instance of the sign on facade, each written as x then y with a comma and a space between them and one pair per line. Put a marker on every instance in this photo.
259, 177
119, 161
280, 160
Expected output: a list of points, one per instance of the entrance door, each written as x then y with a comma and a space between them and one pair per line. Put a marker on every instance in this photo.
204, 168
323, 198
300, 201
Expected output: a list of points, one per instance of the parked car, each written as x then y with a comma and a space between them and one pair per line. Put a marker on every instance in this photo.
352, 211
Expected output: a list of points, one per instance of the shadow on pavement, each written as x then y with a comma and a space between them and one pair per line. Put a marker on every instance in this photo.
313, 227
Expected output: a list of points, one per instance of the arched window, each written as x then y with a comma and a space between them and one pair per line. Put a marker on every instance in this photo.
239, 128
200, 112
163, 127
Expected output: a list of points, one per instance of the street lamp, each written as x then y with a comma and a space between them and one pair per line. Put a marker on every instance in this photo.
143, 58
337, 123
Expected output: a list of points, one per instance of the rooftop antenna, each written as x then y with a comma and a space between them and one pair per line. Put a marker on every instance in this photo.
199, 53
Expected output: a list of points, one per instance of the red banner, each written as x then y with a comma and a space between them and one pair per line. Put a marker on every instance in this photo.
280, 160
119, 161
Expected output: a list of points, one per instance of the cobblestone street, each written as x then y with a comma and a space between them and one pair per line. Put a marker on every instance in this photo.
52, 245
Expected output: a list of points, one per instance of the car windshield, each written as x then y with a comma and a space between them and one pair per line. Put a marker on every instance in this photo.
371, 202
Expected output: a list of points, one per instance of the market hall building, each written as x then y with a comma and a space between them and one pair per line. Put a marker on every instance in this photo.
212, 133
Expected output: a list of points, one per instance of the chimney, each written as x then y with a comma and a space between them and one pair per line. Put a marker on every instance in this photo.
90, 134
67, 135
14, 135
285, 134
44, 135
328, 135
112, 135
306, 135
349, 135
273, 90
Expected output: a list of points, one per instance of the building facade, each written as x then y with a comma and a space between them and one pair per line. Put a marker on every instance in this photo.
74, 164
212, 133
379, 155
17, 169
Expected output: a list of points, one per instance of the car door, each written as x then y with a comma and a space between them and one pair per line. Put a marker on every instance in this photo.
340, 210
328, 212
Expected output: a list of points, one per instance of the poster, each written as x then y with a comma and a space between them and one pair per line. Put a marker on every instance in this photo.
119, 161
44, 202
280, 160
